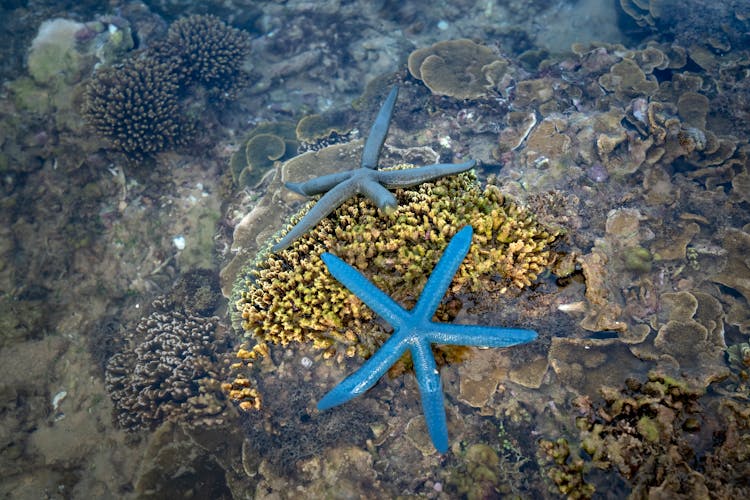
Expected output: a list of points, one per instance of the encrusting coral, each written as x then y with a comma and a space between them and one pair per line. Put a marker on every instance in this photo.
135, 106
289, 297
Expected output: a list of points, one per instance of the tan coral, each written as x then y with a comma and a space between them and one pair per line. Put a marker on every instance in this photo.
694, 335
460, 68
736, 272
627, 80
262, 147
603, 313
693, 108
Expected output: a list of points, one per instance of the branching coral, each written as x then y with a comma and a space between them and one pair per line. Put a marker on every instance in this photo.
289, 297
168, 370
209, 52
135, 107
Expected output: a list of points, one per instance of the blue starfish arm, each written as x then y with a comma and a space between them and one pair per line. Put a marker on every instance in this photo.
431, 392
413, 176
379, 130
442, 275
380, 196
319, 184
480, 336
379, 302
325, 205
368, 374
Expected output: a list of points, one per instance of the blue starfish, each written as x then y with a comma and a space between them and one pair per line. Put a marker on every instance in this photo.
366, 179
414, 330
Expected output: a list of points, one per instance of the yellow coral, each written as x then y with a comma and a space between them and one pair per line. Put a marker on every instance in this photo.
289, 296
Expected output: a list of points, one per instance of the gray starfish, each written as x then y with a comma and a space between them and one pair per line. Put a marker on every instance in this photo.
366, 180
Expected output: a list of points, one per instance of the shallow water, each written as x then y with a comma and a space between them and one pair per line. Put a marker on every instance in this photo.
621, 127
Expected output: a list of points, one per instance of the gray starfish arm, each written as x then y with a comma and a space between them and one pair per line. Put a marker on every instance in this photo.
380, 196
412, 176
480, 336
442, 275
325, 205
372, 296
319, 184
379, 131
368, 374
431, 392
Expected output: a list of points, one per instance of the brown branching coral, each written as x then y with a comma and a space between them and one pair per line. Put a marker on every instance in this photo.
169, 370
135, 107
208, 52
290, 297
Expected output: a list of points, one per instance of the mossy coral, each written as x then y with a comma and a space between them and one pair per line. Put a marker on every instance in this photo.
289, 297
647, 432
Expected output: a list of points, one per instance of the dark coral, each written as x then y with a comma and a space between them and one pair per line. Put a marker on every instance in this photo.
168, 370
653, 434
208, 52
135, 106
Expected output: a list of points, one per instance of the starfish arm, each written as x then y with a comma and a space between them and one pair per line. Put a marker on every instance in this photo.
319, 184
379, 130
442, 275
325, 205
372, 296
380, 196
480, 336
413, 176
431, 392
368, 374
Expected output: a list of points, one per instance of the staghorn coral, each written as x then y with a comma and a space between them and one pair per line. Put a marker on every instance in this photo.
135, 106
168, 370
288, 296
208, 52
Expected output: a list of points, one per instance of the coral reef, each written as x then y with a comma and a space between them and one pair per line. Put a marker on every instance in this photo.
135, 106
169, 370
484, 472
287, 297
